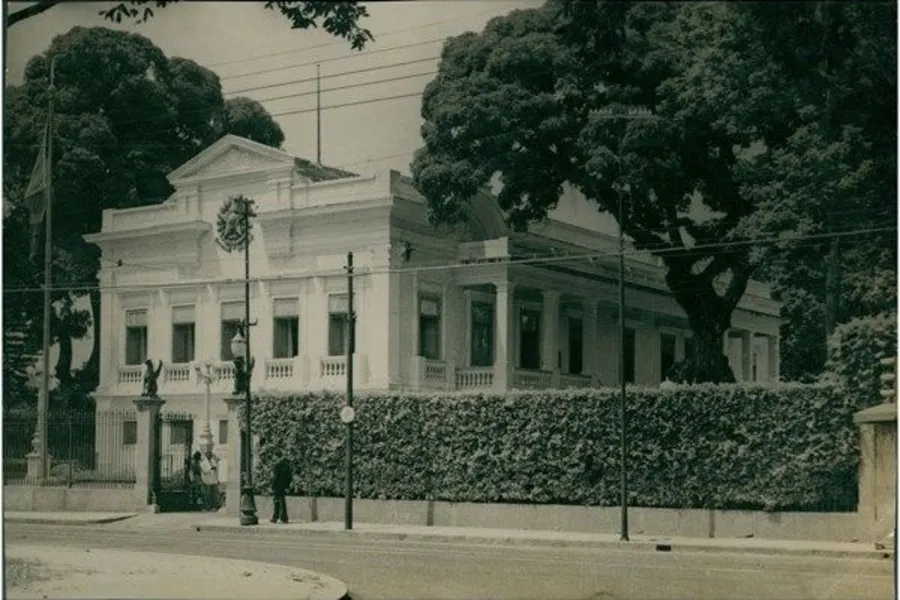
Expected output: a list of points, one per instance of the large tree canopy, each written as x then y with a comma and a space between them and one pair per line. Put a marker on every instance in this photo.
341, 19
664, 107
125, 116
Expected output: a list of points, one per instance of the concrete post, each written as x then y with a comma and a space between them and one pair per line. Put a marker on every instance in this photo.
235, 452
877, 470
145, 455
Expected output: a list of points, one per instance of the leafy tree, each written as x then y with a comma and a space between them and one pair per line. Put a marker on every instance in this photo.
247, 118
125, 116
340, 19
678, 111
835, 65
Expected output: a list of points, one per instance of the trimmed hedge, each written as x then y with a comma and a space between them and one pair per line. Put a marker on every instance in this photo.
855, 350
728, 447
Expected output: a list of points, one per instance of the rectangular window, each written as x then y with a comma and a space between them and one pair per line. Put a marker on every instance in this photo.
530, 339
223, 431
182, 334
666, 354
576, 345
629, 349
129, 433
482, 349
688, 348
232, 315
135, 337
287, 328
338, 325
430, 328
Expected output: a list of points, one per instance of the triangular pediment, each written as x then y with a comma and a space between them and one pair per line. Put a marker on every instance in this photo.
231, 155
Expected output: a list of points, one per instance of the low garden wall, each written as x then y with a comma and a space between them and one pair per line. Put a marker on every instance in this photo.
74, 499
833, 527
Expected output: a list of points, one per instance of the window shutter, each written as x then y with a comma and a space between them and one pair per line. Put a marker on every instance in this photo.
183, 314
286, 307
232, 311
136, 318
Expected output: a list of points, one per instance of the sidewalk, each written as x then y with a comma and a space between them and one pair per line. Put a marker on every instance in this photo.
34, 571
477, 535
68, 518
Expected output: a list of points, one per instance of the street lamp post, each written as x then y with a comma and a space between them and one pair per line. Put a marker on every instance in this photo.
243, 365
233, 225
206, 374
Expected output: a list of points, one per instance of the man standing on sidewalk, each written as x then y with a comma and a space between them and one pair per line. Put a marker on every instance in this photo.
281, 482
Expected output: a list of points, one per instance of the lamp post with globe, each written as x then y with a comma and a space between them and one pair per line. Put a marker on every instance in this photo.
234, 229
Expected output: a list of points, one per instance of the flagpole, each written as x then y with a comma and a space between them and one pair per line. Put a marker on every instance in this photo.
44, 400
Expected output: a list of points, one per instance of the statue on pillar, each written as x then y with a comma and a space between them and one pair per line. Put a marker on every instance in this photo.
150, 387
242, 374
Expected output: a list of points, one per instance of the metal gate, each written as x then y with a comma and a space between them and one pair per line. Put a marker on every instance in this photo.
174, 434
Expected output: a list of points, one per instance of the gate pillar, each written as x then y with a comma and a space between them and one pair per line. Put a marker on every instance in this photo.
146, 452
235, 456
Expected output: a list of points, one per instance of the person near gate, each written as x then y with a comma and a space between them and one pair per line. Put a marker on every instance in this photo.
209, 466
195, 480
281, 483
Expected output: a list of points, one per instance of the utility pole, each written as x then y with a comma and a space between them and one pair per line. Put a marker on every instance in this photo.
318, 117
40, 441
623, 422
347, 414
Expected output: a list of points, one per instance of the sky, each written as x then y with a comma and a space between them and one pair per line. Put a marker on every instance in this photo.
256, 54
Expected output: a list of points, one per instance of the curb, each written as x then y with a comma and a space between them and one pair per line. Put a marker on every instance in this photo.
64, 521
647, 546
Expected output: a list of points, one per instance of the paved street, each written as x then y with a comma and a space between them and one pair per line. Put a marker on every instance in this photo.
391, 570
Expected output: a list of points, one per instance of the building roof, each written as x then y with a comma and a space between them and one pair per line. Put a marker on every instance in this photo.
316, 172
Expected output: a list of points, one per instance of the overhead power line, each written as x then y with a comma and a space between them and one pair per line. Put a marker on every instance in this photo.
342, 43
333, 75
327, 60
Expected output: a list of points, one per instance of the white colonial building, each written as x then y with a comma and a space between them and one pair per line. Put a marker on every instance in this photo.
449, 310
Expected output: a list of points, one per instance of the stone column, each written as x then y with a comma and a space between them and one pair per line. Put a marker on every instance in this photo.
746, 355
774, 357
877, 470
262, 336
550, 333
589, 341
235, 452
504, 327
146, 467
414, 337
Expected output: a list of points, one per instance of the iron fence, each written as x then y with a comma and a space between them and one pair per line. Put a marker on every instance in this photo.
87, 449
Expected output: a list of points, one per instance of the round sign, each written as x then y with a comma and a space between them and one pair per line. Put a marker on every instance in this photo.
348, 414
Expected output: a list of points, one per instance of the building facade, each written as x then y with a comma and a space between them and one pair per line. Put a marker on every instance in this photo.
472, 307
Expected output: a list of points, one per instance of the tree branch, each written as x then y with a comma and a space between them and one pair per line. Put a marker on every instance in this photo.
31, 11
740, 277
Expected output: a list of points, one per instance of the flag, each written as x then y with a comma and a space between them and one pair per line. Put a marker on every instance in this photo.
36, 193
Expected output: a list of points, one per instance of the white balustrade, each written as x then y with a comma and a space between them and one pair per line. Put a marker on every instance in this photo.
570, 380
131, 374
224, 370
474, 378
177, 372
280, 368
435, 372
333, 366
526, 379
